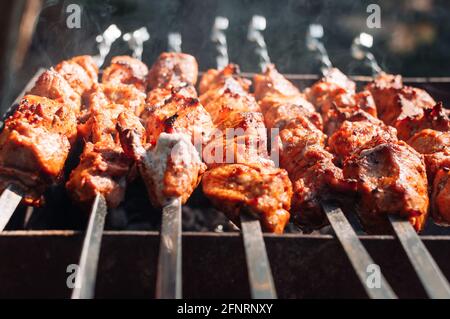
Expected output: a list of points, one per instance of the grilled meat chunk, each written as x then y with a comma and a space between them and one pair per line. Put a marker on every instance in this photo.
263, 192
424, 125
52, 85
103, 168
434, 118
395, 102
335, 98
173, 70
126, 70
352, 135
287, 98
171, 168
179, 114
34, 146
80, 72
391, 179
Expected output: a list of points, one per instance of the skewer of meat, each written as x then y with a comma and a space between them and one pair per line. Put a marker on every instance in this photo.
391, 180
37, 138
241, 179
166, 150
100, 179
315, 177
389, 173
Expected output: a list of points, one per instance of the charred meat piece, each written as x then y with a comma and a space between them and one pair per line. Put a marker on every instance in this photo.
287, 98
126, 70
34, 146
171, 168
80, 72
248, 182
214, 81
52, 85
173, 70
352, 135
179, 114
103, 166
440, 196
335, 98
435, 118
424, 125
264, 192
435, 146
391, 179
395, 101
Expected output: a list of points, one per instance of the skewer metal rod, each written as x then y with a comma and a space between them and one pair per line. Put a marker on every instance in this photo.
356, 253
169, 276
90, 253
9, 200
431, 277
260, 275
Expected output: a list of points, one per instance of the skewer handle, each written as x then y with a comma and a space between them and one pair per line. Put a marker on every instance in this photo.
136, 41
431, 277
90, 253
315, 44
169, 276
104, 43
360, 51
358, 255
220, 39
255, 28
174, 42
260, 275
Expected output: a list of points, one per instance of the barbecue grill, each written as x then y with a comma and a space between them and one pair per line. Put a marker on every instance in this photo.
42, 243
303, 265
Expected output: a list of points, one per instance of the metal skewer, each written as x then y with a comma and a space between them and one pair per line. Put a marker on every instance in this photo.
219, 38
357, 254
90, 253
258, 266
9, 200
136, 41
105, 41
11, 196
169, 275
169, 271
430, 275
